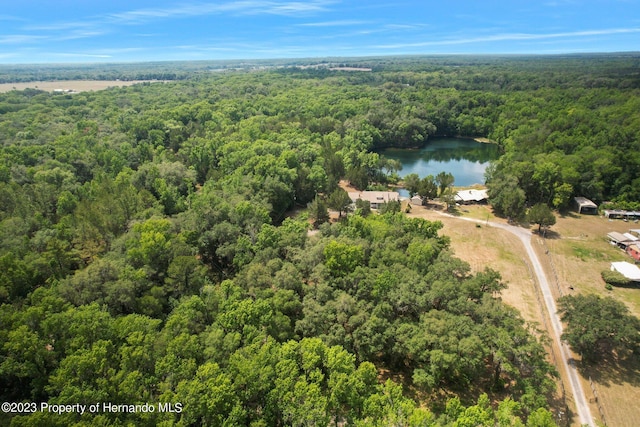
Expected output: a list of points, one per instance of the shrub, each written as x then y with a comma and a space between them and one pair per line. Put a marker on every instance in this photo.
613, 278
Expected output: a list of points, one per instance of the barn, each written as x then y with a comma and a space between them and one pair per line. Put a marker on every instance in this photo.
585, 206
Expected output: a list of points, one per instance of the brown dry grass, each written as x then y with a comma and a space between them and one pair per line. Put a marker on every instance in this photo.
74, 85
573, 255
484, 246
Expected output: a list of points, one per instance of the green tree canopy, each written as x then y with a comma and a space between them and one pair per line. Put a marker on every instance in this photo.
599, 328
542, 215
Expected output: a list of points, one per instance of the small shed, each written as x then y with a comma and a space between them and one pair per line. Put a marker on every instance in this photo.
416, 200
628, 270
585, 206
634, 251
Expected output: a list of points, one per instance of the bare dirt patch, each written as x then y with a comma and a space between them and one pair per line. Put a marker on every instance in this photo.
70, 85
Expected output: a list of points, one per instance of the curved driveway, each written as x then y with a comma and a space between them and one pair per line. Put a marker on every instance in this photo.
582, 407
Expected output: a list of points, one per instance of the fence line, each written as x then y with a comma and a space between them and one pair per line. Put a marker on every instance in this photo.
547, 252
553, 352
595, 395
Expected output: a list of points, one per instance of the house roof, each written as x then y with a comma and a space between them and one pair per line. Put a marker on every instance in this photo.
374, 196
471, 195
628, 270
634, 246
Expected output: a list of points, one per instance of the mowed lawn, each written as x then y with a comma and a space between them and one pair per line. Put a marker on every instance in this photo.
574, 254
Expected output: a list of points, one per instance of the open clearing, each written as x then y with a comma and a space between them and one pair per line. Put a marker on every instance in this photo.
573, 255
71, 85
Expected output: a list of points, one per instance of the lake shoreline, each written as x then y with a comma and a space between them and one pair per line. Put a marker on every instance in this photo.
480, 139
465, 158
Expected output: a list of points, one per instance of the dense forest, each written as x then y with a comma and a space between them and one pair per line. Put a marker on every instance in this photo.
154, 246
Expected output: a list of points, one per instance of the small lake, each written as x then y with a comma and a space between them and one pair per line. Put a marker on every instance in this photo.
466, 159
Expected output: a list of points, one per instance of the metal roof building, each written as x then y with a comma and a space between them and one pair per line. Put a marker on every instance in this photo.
585, 206
628, 270
471, 196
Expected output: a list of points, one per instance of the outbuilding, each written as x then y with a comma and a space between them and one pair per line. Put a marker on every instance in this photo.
416, 200
635, 231
585, 206
628, 270
466, 197
620, 214
634, 251
619, 239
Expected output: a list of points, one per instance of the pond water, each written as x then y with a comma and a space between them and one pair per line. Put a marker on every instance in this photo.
466, 159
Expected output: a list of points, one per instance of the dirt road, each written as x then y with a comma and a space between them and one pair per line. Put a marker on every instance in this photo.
582, 407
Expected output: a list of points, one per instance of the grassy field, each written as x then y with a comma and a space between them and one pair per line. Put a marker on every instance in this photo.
573, 254
73, 85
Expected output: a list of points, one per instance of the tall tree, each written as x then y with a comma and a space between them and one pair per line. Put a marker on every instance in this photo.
506, 197
428, 188
444, 181
318, 211
339, 200
412, 184
542, 215
599, 328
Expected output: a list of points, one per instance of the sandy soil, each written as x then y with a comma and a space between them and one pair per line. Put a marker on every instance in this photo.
73, 85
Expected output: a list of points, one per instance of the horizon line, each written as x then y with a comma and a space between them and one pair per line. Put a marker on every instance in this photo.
316, 58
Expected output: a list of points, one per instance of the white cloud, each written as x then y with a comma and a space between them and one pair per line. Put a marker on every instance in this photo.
19, 39
241, 7
405, 26
80, 55
10, 18
344, 23
511, 37
100, 25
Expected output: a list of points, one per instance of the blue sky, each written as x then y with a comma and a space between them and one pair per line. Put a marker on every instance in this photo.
33, 31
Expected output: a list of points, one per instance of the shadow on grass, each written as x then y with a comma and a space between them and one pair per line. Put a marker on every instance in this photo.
626, 285
611, 370
547, 234
569, 214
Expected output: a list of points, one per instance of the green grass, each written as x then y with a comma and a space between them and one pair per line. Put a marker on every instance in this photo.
589, 253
